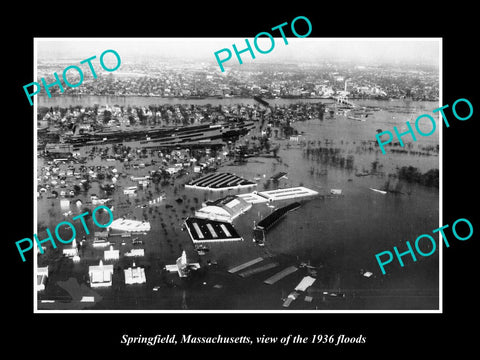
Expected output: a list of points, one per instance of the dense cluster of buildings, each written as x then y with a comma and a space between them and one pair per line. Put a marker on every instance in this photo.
268, 80
69, 175
55, 122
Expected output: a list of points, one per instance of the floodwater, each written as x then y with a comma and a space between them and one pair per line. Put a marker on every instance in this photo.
338, 235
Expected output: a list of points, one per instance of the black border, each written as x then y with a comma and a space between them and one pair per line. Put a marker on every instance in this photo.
100, 334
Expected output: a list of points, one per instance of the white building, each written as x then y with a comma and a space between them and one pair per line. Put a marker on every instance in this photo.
42, 275
172, 170
97, 201
143, 183
306, 282
111, 254
135, 252
100, 275
64, 204
71, 251
100, 242
225, 209
139, 178
182, 266
133, 226
135, 275
131, 191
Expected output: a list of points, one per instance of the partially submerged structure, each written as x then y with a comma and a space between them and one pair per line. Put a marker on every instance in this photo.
225, 209
277, 195
220, 181
182, 266
42, 276
267, 223
132, 226
100, 275
135, 275
208, 231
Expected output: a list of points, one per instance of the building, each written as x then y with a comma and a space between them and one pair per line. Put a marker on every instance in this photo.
135, 275
306, 282
139, 178
100, 275
209, 231
225, 209
42, 276
133, 226
100, 242
220, 181
143, 183
59, 149
182, 266
172, 170
72, 251
101, 234
64, 204
278, 194
111, 254
97, 201
268, 222
135, 252
278, 176
131, 191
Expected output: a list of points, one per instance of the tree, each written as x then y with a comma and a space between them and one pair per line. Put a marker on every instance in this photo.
267, 145
275, 150
107, 116
76, 189
86, 185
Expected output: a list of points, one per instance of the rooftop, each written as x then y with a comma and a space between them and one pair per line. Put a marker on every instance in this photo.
279, 194
203, 230
224, 209
220, 181
100, 275
135, 275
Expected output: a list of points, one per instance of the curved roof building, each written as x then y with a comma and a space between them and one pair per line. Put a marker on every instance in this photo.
225, 209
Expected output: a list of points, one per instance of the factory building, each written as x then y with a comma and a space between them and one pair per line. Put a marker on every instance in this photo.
225, 209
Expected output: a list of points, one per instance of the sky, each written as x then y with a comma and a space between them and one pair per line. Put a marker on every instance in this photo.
423, 51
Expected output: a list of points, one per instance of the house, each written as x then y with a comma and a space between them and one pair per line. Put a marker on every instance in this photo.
182, 266
143, 183
130, 191
64, 203
172, 170
98, 242
135, 252
97, 201
72, 251
111, 254
135, 275
100, 275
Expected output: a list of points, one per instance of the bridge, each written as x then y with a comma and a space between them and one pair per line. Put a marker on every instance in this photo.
344, 100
